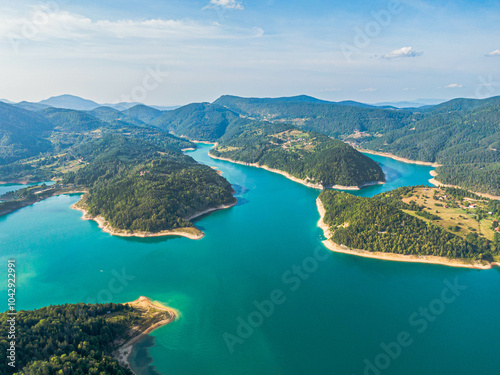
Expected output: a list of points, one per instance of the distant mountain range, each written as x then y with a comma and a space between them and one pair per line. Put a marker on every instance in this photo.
411, 104
80, 104
77, 103
461, 134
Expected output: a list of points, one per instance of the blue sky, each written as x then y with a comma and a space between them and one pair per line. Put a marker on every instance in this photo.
173, 52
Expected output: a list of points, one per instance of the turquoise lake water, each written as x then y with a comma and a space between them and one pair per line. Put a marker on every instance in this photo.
13, 187
332, 317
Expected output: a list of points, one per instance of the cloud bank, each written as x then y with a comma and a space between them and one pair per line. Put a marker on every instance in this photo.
402, 52
226, 4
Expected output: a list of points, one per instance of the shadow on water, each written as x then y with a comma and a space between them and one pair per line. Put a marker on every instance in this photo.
242, 201
239, 190
139, 359
391, 174
150, 240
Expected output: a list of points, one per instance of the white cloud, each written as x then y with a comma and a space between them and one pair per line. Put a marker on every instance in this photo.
227, 4
368, 90
70, 26
494, 53
402, 52
454, 86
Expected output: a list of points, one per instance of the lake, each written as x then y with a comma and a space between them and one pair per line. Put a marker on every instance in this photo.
259, 293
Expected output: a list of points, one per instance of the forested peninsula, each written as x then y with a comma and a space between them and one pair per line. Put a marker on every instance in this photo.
310, 158
445, 226
137, 188
81, 339
136, 180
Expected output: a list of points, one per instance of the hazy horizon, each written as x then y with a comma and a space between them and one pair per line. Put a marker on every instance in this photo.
422, 101
181, 52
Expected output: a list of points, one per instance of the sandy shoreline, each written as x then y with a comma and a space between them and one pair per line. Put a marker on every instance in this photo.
398, 158
192, 233
329, 244
440, 184
204, 142
122, 354
433, 173
295, 179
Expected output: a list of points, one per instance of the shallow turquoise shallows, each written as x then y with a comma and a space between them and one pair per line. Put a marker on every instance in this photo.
337, 314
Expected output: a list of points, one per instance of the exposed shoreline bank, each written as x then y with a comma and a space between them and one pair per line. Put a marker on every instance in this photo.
329, 244
192, 233
440, 184
122, 354
398, 158
295, 179
433, 173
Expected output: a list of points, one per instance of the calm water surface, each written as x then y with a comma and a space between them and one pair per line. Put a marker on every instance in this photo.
5, 188
333, 314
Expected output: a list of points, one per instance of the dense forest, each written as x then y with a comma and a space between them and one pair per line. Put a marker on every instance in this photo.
136, 175
36, 146
463, 134
379, 224
200, 121
333, 119
22, 134
139, 186
73, 339
306, 155
481, 177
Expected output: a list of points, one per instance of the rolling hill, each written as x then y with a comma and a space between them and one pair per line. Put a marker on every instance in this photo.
22, 133
143, 113
200, 121
70, 102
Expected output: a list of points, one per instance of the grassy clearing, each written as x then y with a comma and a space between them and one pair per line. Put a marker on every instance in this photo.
457, 216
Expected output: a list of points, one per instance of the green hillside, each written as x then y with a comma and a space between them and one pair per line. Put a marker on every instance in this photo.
143, 113
75, 339
462, 134
21, 133
140, 186
333, 119
306, 155
379, 224
200, 121
109, 114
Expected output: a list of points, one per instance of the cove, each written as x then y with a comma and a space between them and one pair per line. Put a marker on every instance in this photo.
5, 188
336, 318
